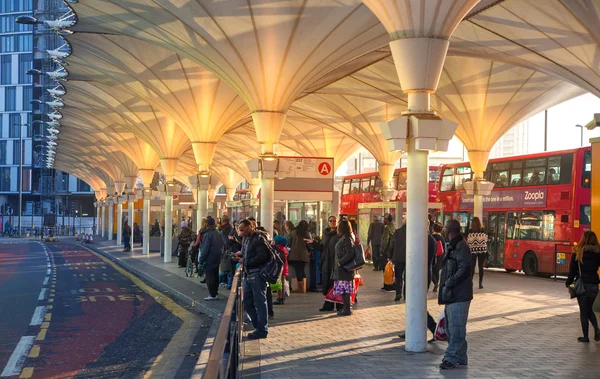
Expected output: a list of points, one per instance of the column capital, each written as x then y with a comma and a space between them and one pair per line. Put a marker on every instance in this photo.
478, 187
427, 131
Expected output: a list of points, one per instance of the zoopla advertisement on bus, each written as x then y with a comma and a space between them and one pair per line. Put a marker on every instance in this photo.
508, 199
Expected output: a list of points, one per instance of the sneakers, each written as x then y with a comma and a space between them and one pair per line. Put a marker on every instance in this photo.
386, 290
398, 298
445, 365
256, 335
223, 285
210, 298
583, 339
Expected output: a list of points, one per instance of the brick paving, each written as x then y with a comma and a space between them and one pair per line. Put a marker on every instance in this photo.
519, 327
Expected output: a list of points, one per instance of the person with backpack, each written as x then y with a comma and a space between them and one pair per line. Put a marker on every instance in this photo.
440, 252
255, 254
185, 239
281, 243
212, 248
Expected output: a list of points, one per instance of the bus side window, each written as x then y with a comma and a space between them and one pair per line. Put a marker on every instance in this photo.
513, 221
355, 186
346, 187
554, 170
447, 180
586, 178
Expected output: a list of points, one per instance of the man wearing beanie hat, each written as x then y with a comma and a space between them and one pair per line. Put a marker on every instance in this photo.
210, 257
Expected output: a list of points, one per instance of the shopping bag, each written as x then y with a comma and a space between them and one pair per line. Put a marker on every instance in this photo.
388, 274
338, 298
368, 255
361, 281
286, 289
440, 330
277, 286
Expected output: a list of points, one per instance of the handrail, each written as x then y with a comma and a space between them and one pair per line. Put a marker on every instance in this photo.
223, 361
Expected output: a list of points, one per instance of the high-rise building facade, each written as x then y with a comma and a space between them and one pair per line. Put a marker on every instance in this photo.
44, 191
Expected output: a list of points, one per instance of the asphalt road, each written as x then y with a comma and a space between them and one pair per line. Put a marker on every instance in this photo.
66, 312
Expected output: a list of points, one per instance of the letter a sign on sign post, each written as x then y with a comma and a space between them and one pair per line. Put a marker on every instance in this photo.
324, 168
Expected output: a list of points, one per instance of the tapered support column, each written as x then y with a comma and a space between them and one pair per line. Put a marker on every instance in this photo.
98, 220
130, 219
111, 220
202, 205
267, 203
119, 223
168, 228
146, 226
416, 249
104, 221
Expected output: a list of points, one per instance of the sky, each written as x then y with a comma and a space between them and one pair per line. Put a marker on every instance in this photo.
562, 118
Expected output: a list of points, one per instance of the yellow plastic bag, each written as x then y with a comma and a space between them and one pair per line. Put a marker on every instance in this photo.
388, 274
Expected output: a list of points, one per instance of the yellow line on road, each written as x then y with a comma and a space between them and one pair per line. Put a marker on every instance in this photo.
47, 316
27, 372
41, 335
34, 352
49, 307
45, 325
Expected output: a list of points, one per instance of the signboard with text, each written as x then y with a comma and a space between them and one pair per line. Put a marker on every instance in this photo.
305, 178
535, 198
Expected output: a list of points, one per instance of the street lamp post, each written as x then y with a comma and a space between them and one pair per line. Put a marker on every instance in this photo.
581, 127
20, 174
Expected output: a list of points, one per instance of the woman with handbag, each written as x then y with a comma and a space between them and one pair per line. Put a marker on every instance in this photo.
299, 255
583, 273
343, 283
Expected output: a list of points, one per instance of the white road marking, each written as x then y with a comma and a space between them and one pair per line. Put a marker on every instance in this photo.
46, 280
43, 294
48, 272
38, 315
17, 359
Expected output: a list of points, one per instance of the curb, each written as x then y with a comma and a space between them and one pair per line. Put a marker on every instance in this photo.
198, 307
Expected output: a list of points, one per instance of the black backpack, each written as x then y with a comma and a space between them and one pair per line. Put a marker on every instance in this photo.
273, 268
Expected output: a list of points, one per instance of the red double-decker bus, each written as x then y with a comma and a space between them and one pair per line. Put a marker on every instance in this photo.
538, 201
365, 188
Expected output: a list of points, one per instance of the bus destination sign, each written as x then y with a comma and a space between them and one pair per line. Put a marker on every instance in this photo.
535, 197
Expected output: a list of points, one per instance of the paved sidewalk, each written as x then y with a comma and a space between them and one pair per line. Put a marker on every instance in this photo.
519, 327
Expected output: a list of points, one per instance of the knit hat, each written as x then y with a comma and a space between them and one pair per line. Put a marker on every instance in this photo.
280, 240
210, 221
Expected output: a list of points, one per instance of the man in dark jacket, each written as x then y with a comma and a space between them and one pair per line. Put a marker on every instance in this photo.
397, 254
211, 250
254, 255
374, 239
456, 293
330, 238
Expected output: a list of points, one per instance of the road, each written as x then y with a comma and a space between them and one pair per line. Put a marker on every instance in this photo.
68, 312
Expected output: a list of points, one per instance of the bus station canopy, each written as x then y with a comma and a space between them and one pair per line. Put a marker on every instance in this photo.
180, 86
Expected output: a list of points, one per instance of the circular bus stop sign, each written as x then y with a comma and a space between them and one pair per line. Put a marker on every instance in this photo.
324, 168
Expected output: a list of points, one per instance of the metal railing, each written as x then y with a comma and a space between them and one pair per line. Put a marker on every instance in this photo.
562, 258
226, 352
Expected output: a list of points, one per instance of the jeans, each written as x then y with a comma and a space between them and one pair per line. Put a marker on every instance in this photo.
377, 261
298, 269
126, 243
398, 271
255, 302
586, 314
478, 259
212, 281
456, 326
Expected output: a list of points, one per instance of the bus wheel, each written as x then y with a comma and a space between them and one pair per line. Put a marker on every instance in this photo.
530, 264
509, 270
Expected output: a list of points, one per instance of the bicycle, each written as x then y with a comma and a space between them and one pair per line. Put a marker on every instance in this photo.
190, 265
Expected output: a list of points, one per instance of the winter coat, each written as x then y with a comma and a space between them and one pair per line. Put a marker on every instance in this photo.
212, 248
256, 251
225, 230
386, 240
344, 253
589, 266
286, 271
298, 248
375, 233
185, 237
329, 240
478, 243
398, 246
456, 283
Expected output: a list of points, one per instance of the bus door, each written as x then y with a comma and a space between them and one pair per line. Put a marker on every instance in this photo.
496, 230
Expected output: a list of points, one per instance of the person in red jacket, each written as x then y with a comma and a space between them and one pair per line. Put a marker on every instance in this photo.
281, 243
